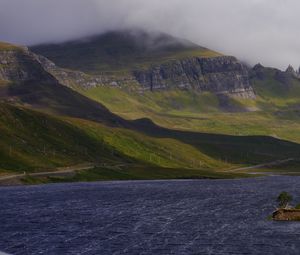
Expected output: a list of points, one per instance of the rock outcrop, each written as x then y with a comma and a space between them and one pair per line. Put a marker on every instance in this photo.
28, 83
291, 71
286, 215
78, 79
21, 65
221, 75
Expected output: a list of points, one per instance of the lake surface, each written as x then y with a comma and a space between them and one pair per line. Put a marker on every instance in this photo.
160, 217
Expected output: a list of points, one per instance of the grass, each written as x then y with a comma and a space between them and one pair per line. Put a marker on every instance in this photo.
200, 112
138, 105
7, 46
34, 141
119, 52
291, 168
135, 172
164, 152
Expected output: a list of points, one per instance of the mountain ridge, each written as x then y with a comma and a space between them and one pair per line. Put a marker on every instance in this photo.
27, 83
183, 66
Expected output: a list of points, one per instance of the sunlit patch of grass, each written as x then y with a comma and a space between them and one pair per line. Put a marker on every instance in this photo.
8, 46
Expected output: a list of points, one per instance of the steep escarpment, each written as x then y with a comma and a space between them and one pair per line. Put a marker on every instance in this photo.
128, 59
27, 82
78, 79
18, 64
220, 75
224, 75
273, 83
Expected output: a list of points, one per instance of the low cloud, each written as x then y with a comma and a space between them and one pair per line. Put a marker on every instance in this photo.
265, 31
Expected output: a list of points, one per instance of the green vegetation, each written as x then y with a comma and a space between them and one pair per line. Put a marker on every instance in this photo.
35, 141
291, 167
7, 46
201, 112
162, 135
284, 199
134, 172
120, 52
166, 152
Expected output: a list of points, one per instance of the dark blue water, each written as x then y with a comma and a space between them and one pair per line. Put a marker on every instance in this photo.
163, 217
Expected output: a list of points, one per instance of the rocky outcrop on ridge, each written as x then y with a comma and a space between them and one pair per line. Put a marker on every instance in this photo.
21, 65
221, 75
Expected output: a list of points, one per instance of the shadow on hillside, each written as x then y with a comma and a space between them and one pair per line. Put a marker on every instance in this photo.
234, 149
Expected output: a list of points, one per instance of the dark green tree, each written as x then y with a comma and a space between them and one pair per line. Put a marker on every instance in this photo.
283, 199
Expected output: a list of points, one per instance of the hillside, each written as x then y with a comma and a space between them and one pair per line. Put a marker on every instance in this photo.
25, 82
120, 51
46, 124
254, 101
145, 61
34, 141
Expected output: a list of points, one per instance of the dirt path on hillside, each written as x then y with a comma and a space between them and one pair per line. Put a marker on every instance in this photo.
60, 170
274, 163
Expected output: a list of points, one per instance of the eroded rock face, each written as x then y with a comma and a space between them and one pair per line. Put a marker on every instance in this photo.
21, 65
225, 75
221, 75
71, 78
287, 215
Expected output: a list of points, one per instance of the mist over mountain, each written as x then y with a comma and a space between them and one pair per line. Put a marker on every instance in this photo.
255, 31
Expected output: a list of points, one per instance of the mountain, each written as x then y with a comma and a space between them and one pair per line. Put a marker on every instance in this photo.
25, 82
273, 83
120, 51
194, 92
51, 119
147, 61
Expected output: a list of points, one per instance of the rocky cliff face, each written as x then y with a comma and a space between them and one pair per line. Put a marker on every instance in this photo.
221, 75
20, 65
27, 82
287, 215
78, 79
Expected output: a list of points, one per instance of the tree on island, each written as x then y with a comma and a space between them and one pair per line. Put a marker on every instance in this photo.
283, 199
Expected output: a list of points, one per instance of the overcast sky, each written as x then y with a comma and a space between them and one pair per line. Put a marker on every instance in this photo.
265, 31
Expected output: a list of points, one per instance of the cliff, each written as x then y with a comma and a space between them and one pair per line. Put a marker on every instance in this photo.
20, 65
287, 215
145, 61
221, 75
78, 79
25, 81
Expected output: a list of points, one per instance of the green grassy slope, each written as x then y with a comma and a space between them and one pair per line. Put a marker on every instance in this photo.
7, 46
58, 99
201, 112
277, 89
31, 141
35, 141
120, 51
234, 149
134, 172
41, 141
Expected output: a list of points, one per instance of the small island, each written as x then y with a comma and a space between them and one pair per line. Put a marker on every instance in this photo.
286, 212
